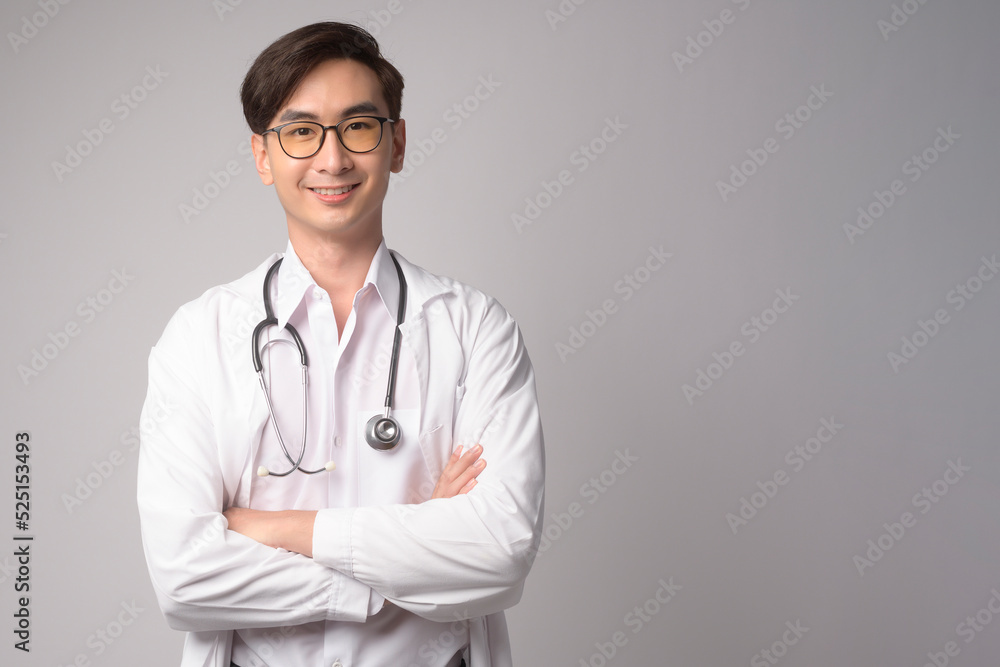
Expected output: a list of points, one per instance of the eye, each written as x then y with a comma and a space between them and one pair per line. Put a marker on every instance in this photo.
300, 132
360, 125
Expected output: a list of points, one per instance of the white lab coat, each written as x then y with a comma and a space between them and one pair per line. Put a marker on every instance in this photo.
447, 559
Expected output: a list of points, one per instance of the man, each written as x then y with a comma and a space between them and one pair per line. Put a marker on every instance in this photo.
401, 554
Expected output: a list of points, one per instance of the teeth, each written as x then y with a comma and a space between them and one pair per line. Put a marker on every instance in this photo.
333, 191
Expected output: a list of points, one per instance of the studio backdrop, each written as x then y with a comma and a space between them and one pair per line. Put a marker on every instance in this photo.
753, 248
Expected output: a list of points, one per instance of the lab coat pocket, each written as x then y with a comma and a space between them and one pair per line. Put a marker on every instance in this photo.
396, 475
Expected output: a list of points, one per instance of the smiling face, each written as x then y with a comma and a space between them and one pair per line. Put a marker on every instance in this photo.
335, 195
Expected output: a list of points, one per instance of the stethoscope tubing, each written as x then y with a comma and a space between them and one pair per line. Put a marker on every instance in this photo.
382, 432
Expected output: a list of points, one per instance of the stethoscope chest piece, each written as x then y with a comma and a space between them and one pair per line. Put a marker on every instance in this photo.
382, 433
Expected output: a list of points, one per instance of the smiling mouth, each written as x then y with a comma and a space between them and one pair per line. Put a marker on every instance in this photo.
334, 191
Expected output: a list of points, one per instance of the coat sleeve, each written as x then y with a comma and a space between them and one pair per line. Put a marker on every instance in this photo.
469, 555
206, 577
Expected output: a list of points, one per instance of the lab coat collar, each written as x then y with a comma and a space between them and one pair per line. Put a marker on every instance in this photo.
421, 287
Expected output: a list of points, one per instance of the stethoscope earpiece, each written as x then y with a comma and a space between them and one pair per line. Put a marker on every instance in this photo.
382, 432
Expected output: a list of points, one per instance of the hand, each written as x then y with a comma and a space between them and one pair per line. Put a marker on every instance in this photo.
459, 476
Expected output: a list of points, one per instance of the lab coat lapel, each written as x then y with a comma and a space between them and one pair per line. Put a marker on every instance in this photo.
421, 331
249, 413
239, 434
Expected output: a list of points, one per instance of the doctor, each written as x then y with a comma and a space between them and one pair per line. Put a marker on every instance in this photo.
405, 555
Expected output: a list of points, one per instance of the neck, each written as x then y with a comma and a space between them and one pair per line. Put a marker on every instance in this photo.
337, 267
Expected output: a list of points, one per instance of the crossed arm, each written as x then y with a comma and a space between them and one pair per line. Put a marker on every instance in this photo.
292, 530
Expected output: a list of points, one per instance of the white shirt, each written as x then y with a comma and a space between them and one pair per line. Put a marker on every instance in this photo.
448, 564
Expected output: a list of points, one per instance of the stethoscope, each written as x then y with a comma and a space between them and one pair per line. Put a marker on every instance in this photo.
382, 432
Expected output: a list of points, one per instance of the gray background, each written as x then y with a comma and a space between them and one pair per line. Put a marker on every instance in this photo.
62, 235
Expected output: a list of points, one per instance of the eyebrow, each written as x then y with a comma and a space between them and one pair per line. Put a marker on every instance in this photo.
290, 115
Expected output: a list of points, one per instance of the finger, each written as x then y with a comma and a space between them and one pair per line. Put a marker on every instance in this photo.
470, 456
453, 467
466, 467
469, 474
461, 468
468, 487
460, 462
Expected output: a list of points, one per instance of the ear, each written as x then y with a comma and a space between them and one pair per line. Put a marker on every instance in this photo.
398, 146
261, 158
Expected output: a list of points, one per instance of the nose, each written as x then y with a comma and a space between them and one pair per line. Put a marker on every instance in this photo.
332, 156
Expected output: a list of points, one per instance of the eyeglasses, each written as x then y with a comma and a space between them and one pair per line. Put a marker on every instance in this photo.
303, 138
